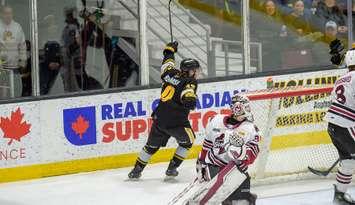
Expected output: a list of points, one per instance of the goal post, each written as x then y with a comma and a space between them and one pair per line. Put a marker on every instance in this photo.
293, 132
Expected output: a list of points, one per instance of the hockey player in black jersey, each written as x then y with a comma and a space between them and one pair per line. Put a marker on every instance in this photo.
170, 118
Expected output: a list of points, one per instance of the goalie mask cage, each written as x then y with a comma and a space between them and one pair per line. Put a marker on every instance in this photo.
294, 133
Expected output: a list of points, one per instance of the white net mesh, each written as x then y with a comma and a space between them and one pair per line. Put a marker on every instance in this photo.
294, 133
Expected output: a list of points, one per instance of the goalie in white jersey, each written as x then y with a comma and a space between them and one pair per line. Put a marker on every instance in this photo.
341, 126
230, 145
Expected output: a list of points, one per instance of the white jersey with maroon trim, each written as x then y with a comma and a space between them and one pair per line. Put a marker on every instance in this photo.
214, 149
342, 110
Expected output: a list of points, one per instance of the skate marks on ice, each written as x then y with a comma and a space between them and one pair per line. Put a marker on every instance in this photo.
109, 187
308, 192
311, 198
103, 187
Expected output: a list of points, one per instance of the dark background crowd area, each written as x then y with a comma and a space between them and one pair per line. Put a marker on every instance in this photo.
65, 37
75, 50
293, 33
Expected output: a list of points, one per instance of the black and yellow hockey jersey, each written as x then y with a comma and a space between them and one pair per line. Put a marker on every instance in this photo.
178, 96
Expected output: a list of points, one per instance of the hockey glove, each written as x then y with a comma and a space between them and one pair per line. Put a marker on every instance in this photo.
336, 51
337, 59
336, 47
171, 47
189, 101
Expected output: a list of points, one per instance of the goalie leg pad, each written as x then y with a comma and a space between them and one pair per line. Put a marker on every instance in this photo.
242, 194
220, 187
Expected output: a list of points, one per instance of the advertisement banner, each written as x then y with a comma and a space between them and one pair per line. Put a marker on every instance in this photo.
86, 127
20, 136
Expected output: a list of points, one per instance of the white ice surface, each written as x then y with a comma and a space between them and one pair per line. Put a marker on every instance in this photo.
110, 187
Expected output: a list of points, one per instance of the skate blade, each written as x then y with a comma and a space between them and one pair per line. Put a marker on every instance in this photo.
132, 179
170, 179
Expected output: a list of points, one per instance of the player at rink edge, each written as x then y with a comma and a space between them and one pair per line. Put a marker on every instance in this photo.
230, 146
170, 118
341, 122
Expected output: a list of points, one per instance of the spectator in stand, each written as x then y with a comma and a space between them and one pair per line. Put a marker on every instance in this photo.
12, 49
328, 10
50, 64
308, 3
331, 31
72, 68
300, 18
97, 47
285, 6
321, 43
48, 30
297, 53
269, 30
26, 73
270, 9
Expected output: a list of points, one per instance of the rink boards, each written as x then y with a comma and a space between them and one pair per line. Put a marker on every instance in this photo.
69, 135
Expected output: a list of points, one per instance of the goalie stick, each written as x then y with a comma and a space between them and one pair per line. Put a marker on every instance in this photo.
323, 173
183, 192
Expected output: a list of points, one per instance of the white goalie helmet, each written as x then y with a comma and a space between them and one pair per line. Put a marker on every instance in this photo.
240, 106
350, 58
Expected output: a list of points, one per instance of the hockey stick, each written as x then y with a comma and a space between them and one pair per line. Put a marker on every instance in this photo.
171, 26
183, 192
323, 173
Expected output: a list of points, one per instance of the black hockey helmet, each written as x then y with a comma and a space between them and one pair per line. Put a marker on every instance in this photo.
189, 64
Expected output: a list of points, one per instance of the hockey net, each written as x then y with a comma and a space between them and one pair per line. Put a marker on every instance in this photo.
294, 133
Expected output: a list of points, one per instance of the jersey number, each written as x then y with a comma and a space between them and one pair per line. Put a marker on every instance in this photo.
339, 91
168, 93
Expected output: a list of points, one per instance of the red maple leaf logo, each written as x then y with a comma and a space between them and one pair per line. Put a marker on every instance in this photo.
14, 128
80, 126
